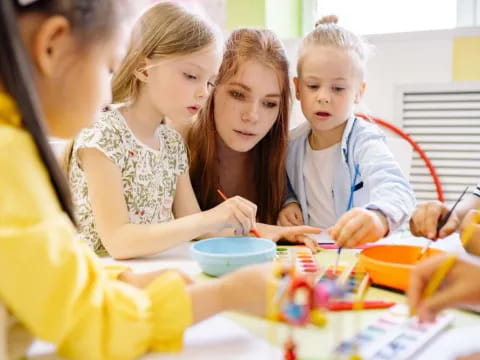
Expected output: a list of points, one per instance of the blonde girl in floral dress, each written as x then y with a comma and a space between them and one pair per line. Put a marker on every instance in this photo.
129, 172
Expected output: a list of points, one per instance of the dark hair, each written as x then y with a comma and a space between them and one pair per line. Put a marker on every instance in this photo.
90, 20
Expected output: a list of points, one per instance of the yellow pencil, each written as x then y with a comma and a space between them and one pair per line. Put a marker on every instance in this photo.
437, 279
467, 235
445, 267
438, 276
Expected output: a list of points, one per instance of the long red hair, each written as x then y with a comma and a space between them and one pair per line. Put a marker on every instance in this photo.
270, 177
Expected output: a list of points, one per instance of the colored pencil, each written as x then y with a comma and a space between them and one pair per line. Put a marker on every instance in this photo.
352, 305
441, 223
224, 197
438, 276
349, 206
436, 279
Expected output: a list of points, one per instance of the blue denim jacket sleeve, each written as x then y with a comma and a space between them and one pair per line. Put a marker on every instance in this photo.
390, 192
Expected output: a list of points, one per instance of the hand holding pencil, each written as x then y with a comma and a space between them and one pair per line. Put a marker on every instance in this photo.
235, 213
458, 285
427, 219
246, 210
458, 276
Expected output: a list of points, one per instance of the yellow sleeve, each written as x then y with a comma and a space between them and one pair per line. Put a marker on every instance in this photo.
55, 285
113, 271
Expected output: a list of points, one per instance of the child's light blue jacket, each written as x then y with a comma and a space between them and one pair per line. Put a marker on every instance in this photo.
380, 184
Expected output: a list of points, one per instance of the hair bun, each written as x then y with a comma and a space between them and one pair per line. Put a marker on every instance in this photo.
329, 19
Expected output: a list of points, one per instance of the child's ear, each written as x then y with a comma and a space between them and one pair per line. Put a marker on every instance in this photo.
297, 88
141, 71
51, 42
360, 92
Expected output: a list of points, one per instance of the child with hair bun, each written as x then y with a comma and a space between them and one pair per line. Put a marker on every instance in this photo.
342, 176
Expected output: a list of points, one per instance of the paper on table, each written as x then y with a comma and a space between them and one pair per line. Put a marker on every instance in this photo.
452, 343
219, 338
322, 238
325, 241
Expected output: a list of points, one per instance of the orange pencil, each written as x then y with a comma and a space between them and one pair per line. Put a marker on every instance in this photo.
224, 197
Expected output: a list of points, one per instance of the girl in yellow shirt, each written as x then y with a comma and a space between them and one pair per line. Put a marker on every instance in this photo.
56, 58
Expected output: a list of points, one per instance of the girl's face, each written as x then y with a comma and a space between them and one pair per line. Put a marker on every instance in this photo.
328, 87
247, 105
179, 86
73, 82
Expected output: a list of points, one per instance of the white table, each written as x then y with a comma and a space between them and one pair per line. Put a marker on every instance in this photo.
221, 338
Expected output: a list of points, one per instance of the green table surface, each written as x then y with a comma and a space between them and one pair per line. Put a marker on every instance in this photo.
317, 342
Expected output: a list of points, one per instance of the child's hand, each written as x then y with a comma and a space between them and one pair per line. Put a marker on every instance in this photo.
425, 219
359, 226
237, 213
460, 286
294, 234
290, 215
247, 290
473, 247
142, 280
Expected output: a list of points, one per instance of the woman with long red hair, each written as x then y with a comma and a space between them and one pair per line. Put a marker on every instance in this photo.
238, 143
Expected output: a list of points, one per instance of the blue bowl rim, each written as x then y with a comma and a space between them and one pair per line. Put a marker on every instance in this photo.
260, 252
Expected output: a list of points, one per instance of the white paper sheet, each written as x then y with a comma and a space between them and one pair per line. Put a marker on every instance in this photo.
322, 238
452, 343
219, 338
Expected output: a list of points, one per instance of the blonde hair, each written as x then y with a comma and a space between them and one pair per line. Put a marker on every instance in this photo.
163, 30
328, 33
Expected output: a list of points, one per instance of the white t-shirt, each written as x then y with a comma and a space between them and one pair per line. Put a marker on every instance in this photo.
318, 175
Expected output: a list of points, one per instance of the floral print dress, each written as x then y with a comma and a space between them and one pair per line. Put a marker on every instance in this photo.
149, 176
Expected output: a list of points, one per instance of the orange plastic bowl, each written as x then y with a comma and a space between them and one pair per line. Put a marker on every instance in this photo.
390, 265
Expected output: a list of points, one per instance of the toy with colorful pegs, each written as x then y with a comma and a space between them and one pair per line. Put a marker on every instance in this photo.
300, 299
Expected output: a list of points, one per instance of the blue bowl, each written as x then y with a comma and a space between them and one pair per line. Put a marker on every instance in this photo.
219, 256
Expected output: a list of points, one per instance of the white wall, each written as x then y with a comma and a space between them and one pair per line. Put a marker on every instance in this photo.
404, 58
291, 47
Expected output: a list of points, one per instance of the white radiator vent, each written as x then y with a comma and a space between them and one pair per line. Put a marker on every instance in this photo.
444, 119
